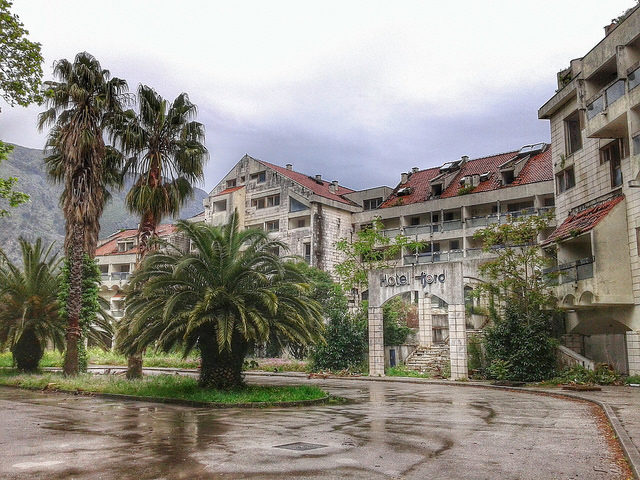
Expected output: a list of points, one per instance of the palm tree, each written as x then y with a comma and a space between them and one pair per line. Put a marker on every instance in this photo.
81, 107
167, 157
230, 291
29, 316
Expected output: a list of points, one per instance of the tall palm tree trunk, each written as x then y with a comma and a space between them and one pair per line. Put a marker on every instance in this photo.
74, 302
221, 370
146, 231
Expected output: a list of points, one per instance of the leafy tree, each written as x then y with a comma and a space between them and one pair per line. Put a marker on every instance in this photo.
95, 322
394, 320
369, 250
167, 155
519, 344
29, 316
227, 293
515, 274
20, 60
81, 109
12, 197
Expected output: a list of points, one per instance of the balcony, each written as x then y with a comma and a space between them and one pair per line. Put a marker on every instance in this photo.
117, 313
435, 257
607, 112
572, 272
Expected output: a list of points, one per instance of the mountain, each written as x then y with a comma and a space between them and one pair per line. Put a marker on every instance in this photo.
42, 217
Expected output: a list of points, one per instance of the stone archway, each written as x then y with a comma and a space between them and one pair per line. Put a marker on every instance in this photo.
443, 280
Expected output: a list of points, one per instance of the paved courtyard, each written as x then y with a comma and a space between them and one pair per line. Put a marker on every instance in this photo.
390, 430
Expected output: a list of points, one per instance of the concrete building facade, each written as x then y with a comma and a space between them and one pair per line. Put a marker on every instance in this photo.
595, 135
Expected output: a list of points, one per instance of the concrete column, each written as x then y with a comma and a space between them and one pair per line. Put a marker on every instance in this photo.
633, 352
425, 321
457, 342
376, 343
538, 202
465, 214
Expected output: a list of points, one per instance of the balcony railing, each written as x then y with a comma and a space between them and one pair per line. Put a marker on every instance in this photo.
115, 276
452, 225
610, 94
575, 271
117, 313
634, 79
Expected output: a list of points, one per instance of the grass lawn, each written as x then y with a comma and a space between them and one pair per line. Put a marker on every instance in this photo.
402, 371
164, 386
98, 356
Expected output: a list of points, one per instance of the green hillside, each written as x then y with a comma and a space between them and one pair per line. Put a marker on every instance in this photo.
41, 216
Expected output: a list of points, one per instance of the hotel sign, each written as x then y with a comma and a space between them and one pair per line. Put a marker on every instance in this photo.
424, 278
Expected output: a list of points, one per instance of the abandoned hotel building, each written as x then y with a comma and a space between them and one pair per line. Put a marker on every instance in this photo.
588, 178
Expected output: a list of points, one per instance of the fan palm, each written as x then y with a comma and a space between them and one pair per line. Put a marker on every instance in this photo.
167, 154
227, 293
81, 107
29, 304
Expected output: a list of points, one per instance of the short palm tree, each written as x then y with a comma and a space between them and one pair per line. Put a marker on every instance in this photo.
81, 107
29, 316
229, 292
166, 157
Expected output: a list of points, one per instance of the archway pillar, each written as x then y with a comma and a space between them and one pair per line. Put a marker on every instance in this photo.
376, 342
425, 321
457, 342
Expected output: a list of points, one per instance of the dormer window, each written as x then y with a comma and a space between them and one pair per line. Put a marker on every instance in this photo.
259, 177
125, 246
507, 177
485, 176
436, 189
231, 183
404, 191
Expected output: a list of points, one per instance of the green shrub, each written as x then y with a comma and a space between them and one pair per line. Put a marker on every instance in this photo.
476, 361
632, 379
525, 342
394, 318
345, 346
499, 369
603, 374
403, 371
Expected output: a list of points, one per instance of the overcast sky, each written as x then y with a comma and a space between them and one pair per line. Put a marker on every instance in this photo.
358, 91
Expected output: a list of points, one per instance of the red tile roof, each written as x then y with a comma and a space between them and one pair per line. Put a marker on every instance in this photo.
583, 221
321, 189
537, 169
110, 247
229, 190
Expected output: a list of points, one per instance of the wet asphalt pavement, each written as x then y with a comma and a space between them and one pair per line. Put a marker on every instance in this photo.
390, 430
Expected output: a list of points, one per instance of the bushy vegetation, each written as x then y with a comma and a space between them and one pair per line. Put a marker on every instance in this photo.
394, 317
403, 371
345, 346
161, 386
603, 374
520, 347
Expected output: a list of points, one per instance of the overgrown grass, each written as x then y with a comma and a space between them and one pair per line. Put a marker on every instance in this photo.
632, 379
276, 365
162, 386
98, 356
403, 371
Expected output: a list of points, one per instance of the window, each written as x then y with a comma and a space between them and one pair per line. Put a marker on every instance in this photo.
572, 133
616, 172
307, 253
436, 190
301, 223
125, 246
415, 220
612, 153
231, 183
259, 177
549, 202
565, 180
454, 245
372, 203
507, 177
295, 205
272, 226
449, 216
265, 202
435, 218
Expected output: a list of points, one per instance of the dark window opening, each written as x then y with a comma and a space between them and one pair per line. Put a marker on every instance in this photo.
372, 203
565, 180
231, 183
415, 220
573, 134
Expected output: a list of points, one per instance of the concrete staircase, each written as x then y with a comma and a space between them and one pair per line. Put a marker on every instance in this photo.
431, 360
